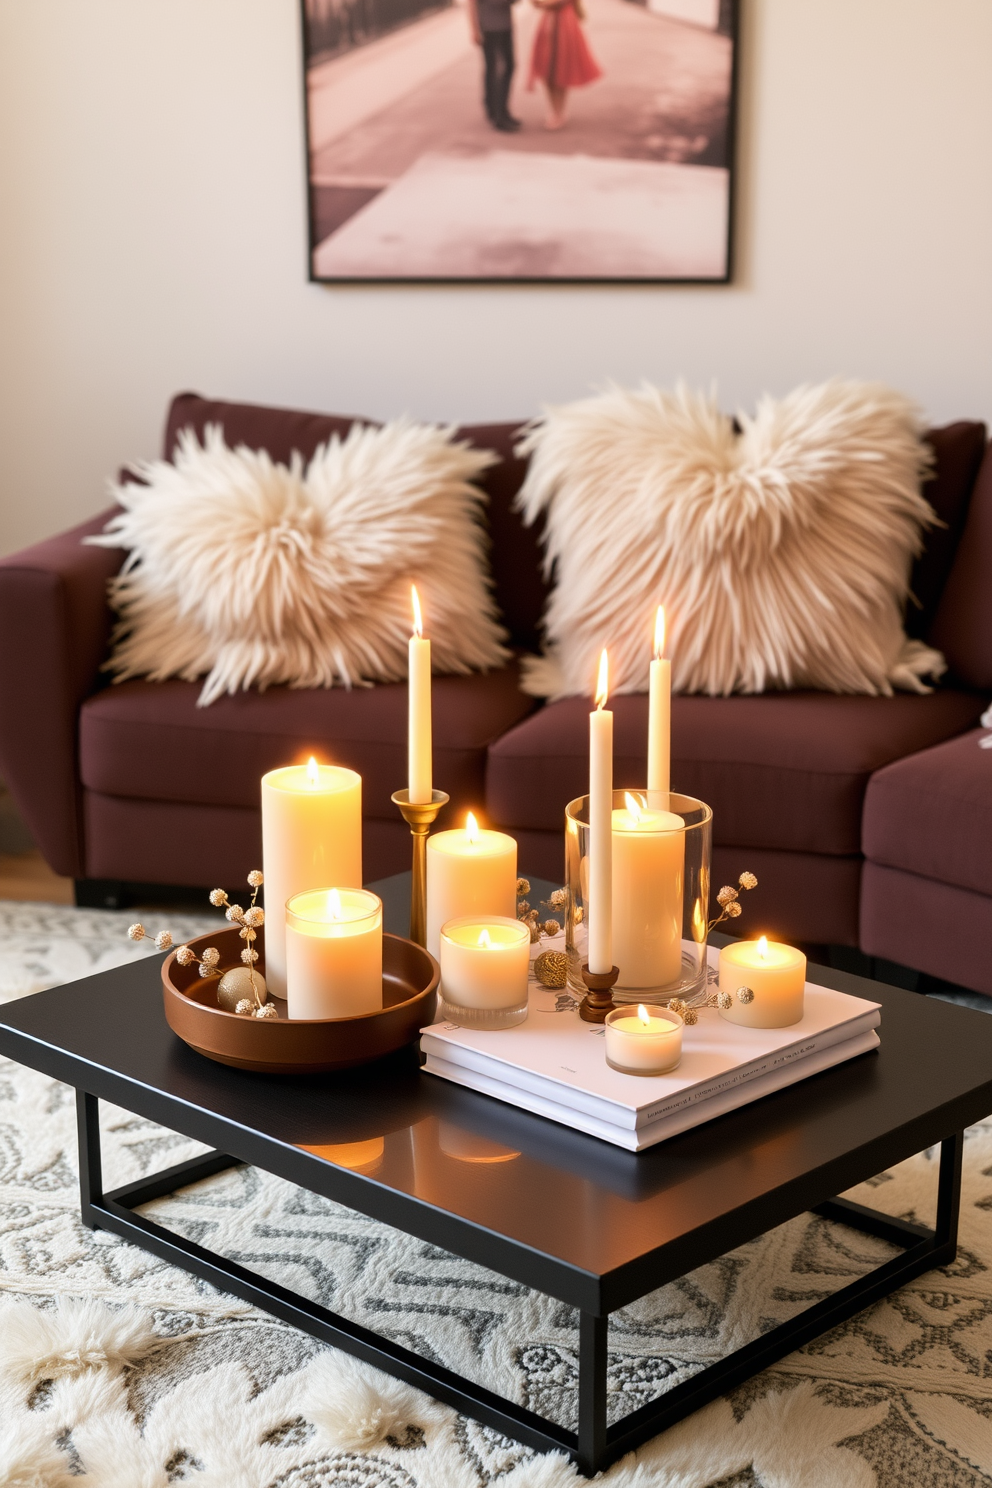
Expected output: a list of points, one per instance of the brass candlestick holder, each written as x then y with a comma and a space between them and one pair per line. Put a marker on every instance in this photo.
420, 816
598, 1001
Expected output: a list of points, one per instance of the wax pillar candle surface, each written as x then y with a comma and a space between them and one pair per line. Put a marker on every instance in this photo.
420, 781
601, 829
641, 1043
659, 719
648, 873
333, 953
470, 871
484, 962
311, 837
776, 975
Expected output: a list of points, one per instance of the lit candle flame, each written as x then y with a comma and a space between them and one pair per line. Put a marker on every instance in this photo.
634, 806
484, 939
418, 623
603, 681
333, 904
313, 772
763, 948
659, 633
471, 828
643, 1014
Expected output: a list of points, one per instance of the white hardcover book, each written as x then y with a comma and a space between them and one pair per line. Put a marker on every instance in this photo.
730, 1098
555, 1056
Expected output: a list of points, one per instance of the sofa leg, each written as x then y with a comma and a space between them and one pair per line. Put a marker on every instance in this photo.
100, 893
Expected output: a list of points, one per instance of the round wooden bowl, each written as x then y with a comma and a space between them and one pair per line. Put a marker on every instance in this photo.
286, 1046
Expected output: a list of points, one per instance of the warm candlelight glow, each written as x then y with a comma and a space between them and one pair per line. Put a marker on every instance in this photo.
603, 680
763, 947
333, 904
484, 939
659, 633
418, 624
472, 828
634, 806
313, 772
698, 923
643, 1014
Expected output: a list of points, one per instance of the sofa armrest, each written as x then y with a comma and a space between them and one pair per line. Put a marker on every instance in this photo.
54, 633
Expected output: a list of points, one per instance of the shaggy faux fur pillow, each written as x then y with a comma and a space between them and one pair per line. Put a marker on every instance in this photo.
781, 553
254, 573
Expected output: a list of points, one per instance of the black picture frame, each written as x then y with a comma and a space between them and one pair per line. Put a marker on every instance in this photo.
331, 208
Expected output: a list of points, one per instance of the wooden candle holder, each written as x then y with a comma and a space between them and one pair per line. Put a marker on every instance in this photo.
598, 1001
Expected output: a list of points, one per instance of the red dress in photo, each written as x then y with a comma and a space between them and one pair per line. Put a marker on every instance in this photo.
561, 57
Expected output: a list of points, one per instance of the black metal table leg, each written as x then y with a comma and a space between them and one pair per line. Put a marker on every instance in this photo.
593, 1336
90, 1161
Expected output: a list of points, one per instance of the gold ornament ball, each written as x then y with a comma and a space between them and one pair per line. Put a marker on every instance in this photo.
235, 984
550, 967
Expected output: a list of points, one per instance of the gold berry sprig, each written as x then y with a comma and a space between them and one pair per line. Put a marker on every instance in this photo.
557, 899
729, 902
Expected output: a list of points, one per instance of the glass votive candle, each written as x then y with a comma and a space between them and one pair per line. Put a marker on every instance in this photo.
333, 953
643, 1042
776, 975
484, 960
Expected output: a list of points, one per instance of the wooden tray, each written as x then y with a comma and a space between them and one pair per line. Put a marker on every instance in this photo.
287, 1046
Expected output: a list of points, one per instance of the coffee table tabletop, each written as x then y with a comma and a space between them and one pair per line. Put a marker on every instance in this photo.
556, 1210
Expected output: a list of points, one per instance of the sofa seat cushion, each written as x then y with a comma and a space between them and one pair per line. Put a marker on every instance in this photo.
783, 770
149, 740
931, 814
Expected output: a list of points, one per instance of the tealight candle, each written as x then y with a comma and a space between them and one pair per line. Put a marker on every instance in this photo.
484, 967
334, 953
643, 1043
311, 836
470, 871
776, 975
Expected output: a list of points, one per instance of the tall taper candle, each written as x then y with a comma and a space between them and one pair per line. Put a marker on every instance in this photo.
419, 747
601, 827
659, 720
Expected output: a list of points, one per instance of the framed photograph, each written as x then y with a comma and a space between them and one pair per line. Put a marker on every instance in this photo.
520, 140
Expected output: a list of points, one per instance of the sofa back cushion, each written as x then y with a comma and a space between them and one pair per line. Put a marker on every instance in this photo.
515, 556
963, 624
958, 449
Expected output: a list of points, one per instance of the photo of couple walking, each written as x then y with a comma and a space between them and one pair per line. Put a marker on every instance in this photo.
541, 140
560, 57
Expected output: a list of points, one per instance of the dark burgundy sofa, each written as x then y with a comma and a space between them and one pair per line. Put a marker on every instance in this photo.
135, 783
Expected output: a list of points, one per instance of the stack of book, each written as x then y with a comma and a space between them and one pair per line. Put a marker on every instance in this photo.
555, 1065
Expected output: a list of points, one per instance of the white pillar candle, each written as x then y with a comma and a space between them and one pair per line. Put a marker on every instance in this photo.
470, 871
648, 871
776, 975
643, 1043
601, 827
659, 719
311, 836
420, 782
334, 953
484, 962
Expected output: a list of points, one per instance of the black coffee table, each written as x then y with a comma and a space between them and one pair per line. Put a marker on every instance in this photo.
590, 1224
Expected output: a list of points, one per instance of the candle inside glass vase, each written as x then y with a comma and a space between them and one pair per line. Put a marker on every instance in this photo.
648, 869
484, 967
334, 953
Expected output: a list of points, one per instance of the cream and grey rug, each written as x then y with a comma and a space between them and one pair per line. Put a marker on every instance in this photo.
121, 1372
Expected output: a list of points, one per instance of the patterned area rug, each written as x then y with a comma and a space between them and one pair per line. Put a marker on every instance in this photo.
122, 1372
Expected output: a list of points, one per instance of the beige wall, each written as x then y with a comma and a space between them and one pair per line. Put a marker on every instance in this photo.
152, 210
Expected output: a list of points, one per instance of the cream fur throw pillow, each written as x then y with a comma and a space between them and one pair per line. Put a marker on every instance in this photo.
254, 573
781, 554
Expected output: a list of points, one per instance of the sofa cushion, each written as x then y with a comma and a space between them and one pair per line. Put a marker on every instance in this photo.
963, 627
518, 585
958, 449
931, 814
784, 770
149, 740
930, 926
